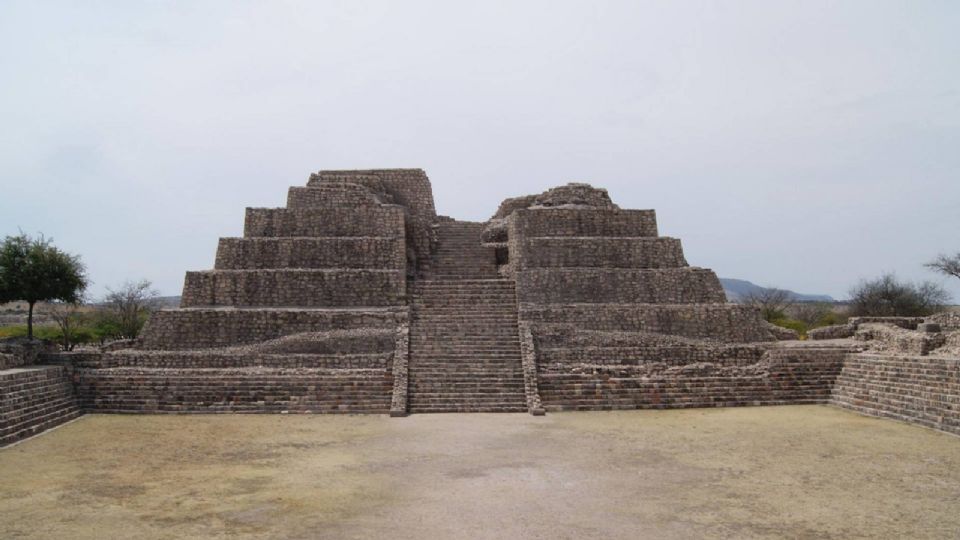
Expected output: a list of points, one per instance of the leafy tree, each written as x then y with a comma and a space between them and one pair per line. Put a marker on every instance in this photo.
946, 265
34, 270
130, 305
888, 296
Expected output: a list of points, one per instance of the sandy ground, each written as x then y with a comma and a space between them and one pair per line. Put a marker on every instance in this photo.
771, 472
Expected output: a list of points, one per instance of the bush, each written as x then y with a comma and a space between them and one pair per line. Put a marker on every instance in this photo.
793, 324
886, 296
830, 319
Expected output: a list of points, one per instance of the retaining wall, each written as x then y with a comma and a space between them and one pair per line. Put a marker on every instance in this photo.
33, 400
272, 253
294, 287
923, 390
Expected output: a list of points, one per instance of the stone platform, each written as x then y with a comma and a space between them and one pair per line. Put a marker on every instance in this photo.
358, 298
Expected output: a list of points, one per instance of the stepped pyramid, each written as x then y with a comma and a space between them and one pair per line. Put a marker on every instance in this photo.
358, 297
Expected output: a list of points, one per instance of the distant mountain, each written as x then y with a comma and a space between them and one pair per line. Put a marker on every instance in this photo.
735, 288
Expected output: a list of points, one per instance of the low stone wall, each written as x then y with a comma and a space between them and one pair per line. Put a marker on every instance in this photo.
659, 252
18, 352
294, 287
722, 322
907, 323
596, 285
223, 327
782, 377
835, 331
922, 390
948, 321
33, 400
894, 339
372, 221
256, 390
386, 253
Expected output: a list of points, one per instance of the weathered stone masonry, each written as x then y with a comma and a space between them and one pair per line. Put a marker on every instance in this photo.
358, 298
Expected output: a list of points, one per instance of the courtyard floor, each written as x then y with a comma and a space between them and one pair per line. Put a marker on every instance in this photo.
762, 472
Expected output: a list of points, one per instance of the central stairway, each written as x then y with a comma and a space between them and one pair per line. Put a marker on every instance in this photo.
464, 340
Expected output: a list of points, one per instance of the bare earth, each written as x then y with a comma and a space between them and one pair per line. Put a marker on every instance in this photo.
763, 472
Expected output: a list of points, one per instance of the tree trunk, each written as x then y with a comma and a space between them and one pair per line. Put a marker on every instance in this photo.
30, 321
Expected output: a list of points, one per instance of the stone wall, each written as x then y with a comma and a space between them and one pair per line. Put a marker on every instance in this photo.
781, 377
33, 400
571, 344
582, 222
408, 188
331, 196
894, 339
613, 252
372, 221
922, 390
721, 322
601, 285
18, 352
259, 390
210, 328
294, 287
356, 252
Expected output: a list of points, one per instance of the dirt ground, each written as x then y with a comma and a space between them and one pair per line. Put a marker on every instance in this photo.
764, 472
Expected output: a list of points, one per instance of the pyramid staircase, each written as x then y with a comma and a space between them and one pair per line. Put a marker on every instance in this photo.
464, 339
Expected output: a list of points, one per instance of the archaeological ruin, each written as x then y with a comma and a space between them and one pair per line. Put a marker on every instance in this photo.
357, 297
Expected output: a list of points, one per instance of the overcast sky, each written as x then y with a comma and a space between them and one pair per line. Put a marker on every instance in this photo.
804, 145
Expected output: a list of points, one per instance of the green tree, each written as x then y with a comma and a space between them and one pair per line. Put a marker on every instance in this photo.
34, 270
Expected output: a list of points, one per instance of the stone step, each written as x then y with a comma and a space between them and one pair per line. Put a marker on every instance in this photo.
467, 388
460, 399
488, 373
463, 353
466, 368
467, 409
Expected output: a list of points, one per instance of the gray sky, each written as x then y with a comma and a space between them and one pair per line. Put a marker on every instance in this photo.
796, 144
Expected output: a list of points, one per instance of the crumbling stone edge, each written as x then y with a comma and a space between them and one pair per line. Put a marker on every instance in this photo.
528, 355
398, 404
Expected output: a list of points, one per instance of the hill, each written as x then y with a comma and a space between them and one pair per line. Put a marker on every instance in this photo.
735, 288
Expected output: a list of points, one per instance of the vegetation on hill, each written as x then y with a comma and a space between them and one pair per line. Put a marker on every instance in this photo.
121, 315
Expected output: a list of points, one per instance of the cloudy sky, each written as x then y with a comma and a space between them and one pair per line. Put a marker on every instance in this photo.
804, 145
